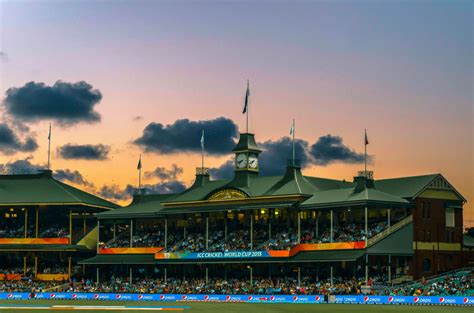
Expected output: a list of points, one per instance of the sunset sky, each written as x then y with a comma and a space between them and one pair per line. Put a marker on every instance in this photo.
401, 69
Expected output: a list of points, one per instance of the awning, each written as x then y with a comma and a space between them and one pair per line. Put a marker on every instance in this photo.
328, 256
120, 259
399, 242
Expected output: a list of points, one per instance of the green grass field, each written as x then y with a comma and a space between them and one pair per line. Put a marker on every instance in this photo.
194, 307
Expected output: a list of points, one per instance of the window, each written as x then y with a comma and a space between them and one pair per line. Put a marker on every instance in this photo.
450, 217
428, 213
426, 265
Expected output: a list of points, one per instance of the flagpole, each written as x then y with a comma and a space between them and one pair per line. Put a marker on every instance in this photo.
202, 152
365, 152
140, 175
49, 147
247, 122
294, 142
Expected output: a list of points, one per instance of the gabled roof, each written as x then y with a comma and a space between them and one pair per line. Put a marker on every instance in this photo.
141, 206
292, 183
411, 187
327, 184
352, 196
43, 189
405, 187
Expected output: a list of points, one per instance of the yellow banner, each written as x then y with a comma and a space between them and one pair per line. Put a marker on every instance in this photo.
130, 250
34, 241
52, 277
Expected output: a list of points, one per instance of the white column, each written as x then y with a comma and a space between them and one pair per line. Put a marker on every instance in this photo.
131, 274
207, 275
299, 276
98, 235
97, 273
166, 272
251, 276
388, 217
131, 233
166, 236
332, 228
366, 226
225, 229
389, 268
366, 269
114, 231
269, 224
317, 225
251, 230
299, 227
207, 233
331, 276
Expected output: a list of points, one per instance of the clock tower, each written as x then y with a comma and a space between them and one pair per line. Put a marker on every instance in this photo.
246, 159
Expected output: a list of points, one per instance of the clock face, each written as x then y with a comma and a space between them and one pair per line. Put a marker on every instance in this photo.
241, 161
253, 161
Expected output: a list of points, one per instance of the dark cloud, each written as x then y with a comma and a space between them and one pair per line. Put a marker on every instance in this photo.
272, 161
276, 154
72, 176
330, 149
225, 171
66, 103
84, 152
164, 174
114, 192
10, 143
21, 167
185, 135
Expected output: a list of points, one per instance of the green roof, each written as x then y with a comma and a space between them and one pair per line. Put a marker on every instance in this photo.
292, 183
327, 184
199, 192
328, 256
352, 196
405, 187
141, 206
42, 188
120, 259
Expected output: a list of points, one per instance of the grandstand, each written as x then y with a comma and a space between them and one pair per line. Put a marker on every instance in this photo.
252, 234
45, 227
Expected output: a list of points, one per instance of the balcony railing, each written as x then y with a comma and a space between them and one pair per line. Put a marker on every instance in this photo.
373, 240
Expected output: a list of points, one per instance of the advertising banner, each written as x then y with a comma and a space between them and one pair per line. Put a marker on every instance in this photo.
10, 276
343, 299
53, 277
327, 246
261, 254
130, 250
224, 255
34, 241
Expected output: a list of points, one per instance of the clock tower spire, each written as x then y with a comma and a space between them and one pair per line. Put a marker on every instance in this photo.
246, 159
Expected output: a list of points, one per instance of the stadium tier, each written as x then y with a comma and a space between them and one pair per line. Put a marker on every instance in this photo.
251, 234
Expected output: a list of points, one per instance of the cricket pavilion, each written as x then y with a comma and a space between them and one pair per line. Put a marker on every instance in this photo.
46, 227
287, 225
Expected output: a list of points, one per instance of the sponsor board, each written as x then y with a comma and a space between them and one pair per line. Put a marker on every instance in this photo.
347, 299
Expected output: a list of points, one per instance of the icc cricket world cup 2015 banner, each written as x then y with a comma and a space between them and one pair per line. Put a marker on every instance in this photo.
315, 299
263, 253
224, 255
